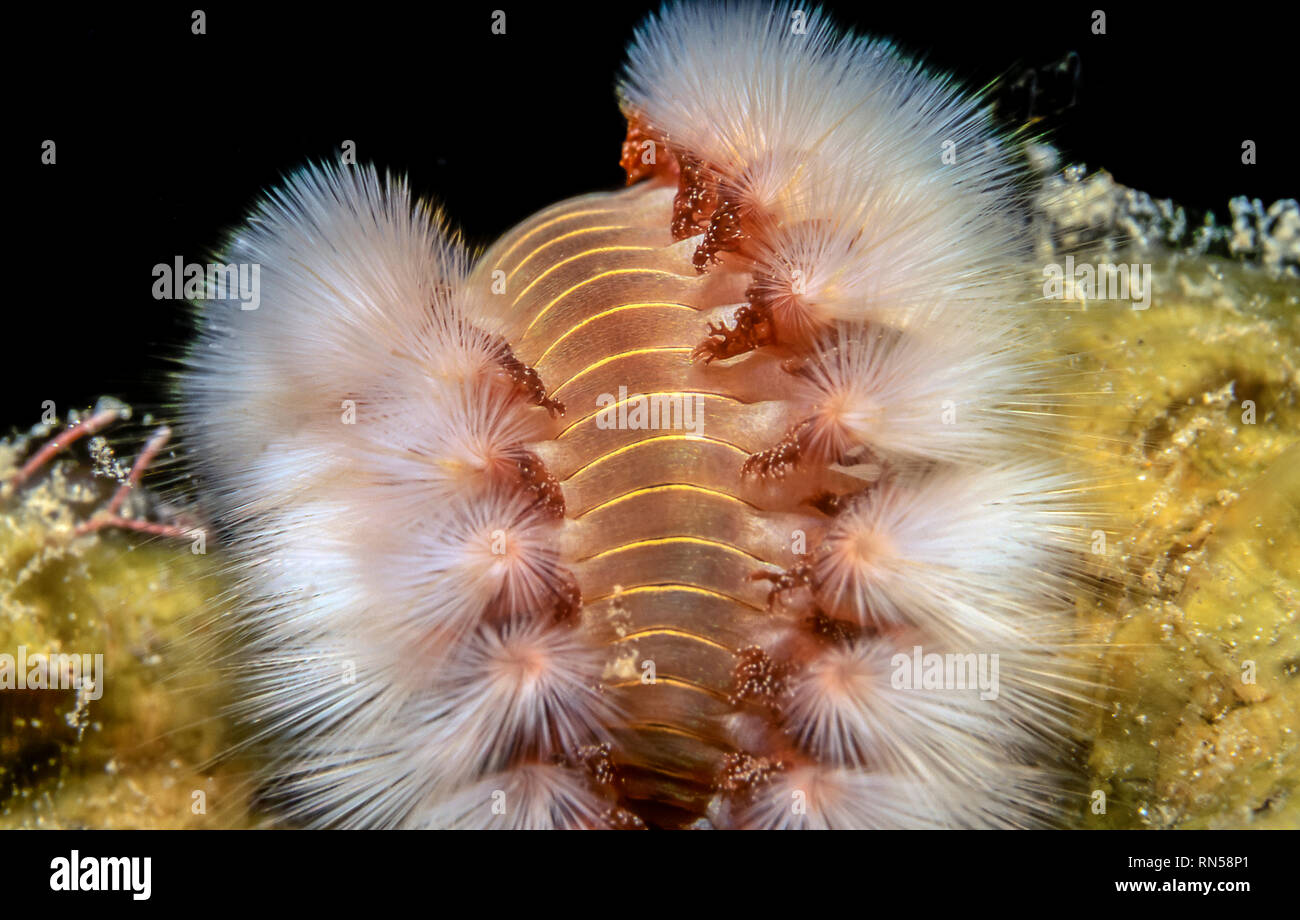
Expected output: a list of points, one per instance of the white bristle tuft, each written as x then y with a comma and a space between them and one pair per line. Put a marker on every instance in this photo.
932, 392
521, 690
839, 798
437, 572
840, 142
398, 580
529, 797
969, 554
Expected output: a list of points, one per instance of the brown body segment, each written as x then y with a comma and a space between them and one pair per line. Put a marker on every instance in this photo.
663, 533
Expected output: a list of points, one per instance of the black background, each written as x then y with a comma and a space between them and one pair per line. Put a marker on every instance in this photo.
165, 138
326, 874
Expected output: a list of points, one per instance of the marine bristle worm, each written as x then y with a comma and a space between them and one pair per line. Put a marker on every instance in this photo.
478, 589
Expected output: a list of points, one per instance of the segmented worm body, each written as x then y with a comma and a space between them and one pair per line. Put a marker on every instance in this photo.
706, 502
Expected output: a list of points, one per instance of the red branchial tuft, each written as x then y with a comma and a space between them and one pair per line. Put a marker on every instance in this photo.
760, 679
541, 483
644, 153
753, 329
527, 381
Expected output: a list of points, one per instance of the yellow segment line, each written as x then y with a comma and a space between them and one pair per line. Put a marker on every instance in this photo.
664, 541
601, 315
542, 226
663, 437
594, 278
675, 633
561, 238
670, 586
673, 682
628, 496
623, 402
665, 349
560, 264
671, 730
